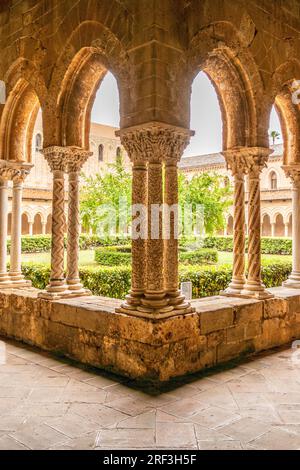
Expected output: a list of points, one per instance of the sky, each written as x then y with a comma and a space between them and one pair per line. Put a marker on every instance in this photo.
205, 114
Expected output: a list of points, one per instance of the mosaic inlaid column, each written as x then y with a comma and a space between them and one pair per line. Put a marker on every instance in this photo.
57, 158
15, 272
293, 172
236, 162
256, 160
154, 292
4, 278
77, 158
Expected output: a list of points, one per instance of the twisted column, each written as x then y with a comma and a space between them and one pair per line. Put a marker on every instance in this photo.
57, 158
236, 162
4, 278
19, 173
293, 172
257, 158
76, 160
155, 149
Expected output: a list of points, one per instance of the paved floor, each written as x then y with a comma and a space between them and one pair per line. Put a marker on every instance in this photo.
50, 404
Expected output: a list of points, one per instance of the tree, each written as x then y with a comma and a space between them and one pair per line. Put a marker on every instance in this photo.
274, 136
207, 190
106, 198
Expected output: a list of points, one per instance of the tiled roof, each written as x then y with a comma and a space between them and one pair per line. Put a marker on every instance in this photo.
218, 159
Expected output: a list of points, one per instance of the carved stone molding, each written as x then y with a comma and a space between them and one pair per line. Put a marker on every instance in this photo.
155, 142
293, 172
77, 158
57, 157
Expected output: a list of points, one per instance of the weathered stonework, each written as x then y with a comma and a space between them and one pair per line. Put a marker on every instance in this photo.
88, 330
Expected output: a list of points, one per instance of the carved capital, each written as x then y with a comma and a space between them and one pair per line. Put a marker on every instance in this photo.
14, 171
155, 142
257, 158
236, 161
77, 158
293, 172
57, 157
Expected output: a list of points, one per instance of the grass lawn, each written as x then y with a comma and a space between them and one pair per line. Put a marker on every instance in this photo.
86, 258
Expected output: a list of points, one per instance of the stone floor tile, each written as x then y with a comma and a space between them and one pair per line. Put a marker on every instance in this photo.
214, 417
125, 438
184, 408
144, 421
220, 396
129, 406
38, 438
205, 434
99, 414
183, 435
277, 439
220, 445
9, 443
246, 429
72, 425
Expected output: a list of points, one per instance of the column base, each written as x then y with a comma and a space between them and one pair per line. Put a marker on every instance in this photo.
256, 290
234, 289
76, 289
293, 281
5, 282
15, 280
55, 290
156, 305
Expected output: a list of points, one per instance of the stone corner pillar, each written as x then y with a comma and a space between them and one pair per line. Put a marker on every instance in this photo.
76, 160
236, 160
256, 160
293, 172
154, 149
57, 158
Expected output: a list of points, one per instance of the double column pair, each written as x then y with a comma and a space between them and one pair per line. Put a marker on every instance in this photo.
155, 150
247, 161
15, 172
65, 160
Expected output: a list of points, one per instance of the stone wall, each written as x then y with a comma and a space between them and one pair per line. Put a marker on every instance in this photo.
88, 330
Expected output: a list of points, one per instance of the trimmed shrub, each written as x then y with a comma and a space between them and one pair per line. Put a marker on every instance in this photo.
121, 255
200, 256
108, 257
115, 282
269, 246
33, 244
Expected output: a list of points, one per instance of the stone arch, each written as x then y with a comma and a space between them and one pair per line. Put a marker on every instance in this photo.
90, 52
219, 51
288, 112
229, 225
25, 223
266, 225
49, 224
17, 122
37, 228
279, 225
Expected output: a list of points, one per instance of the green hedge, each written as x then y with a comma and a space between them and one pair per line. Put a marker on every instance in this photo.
115, 282
121, 255
200, 256
269, 246
42, 243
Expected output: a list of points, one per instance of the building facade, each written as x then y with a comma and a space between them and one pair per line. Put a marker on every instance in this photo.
276, 190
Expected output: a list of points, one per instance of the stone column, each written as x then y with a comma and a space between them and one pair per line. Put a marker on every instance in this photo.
236, 162
57, 158
256, 159
273, 225
15, 273
77, 158
286, 230
30, 224
293, 172
4, 278
153, 148
44, 225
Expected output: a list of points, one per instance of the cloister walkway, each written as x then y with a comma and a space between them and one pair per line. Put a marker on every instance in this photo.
48, 403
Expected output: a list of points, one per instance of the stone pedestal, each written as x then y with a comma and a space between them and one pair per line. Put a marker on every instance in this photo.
293, 171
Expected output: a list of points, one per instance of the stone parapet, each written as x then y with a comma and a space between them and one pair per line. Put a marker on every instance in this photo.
89, 331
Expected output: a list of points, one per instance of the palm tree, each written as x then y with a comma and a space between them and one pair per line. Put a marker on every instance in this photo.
274, 135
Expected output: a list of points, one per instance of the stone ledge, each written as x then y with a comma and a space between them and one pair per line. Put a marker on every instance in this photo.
89, 330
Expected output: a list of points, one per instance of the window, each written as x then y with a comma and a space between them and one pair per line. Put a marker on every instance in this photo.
273, 180
100, 153
118, 154
38, 142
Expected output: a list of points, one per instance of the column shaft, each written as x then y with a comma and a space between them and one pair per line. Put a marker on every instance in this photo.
15, 272
294, 279
4, 279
